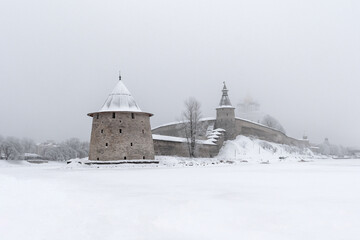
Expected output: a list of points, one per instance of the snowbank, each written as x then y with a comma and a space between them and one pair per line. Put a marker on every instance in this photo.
256, 150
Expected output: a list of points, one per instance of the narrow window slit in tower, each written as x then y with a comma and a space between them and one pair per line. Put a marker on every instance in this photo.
97, 116
132, 115
98, 159
113, 115
125, 157
143, 157
106, 144
102, 130
120, 130
143, 131
131, 144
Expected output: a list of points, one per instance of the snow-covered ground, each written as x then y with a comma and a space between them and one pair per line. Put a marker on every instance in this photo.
281, 200
256, 150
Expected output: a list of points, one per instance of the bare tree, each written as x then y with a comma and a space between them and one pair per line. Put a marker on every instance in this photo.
14, 148
29, 145
8, 150
273, 123
191, 117
54, 154
75, 148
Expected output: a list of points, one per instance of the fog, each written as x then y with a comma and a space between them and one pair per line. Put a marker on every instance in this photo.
299, 59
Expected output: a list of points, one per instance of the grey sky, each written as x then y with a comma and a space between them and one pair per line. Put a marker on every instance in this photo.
60, 59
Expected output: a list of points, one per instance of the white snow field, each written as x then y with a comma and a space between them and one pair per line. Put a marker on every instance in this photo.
280, 200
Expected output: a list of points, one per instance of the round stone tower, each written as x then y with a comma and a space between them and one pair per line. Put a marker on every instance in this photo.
225, 116
120, 130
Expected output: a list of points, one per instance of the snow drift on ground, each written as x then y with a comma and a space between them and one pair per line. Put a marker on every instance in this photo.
256, 150
242, 149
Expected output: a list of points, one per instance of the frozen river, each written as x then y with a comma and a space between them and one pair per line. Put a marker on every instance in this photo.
285, 200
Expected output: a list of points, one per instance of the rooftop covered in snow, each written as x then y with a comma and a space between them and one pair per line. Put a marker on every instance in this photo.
120, 100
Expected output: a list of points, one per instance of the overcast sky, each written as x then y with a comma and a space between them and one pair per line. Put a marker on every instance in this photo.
60, 59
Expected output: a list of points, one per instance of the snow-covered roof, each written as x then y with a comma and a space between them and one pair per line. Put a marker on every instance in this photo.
225, 106
179, 139
214, 135
120, 100
168, 138
31, 155
179, 122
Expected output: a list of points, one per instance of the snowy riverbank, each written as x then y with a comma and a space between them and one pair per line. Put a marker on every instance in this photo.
281, 200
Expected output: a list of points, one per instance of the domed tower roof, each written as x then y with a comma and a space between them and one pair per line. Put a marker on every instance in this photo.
120, 100
225, 100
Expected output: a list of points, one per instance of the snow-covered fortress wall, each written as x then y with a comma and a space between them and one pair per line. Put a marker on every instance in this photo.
248, 128
225, 119
173, 146
168, 146
176, 129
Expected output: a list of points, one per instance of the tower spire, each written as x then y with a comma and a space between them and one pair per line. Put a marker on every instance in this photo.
225, 115
225, 101
225, 90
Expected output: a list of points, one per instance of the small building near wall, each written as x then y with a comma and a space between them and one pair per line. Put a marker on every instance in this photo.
120, 130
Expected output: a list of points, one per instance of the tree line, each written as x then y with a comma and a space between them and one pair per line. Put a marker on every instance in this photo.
12, 148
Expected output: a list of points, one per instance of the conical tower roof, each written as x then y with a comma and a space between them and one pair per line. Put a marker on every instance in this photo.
225, 100
120, 100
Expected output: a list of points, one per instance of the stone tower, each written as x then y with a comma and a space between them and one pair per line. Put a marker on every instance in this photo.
120, 130
225, 115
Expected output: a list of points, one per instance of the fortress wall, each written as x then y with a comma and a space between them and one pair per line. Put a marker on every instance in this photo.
180, 149
176, 129
170, 148
296, 142
247, 128
242, 127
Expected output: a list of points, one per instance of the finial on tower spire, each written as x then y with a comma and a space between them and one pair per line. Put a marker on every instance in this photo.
119, 75
224, 88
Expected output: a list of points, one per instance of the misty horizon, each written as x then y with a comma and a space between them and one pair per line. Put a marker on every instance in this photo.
60, 60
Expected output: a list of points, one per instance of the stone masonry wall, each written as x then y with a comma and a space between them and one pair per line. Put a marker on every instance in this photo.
225, 119
247, 128
176, 129
180, 149
127, 136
